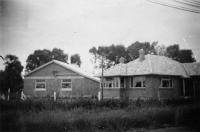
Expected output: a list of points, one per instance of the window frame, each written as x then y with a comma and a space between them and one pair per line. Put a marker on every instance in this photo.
132, 84
40, 89
66, 89
115, 83
166, 79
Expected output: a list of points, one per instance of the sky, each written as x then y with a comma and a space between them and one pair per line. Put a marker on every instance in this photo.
77, 25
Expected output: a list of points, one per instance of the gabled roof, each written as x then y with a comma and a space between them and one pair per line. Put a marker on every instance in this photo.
151, 65
66, 66
192, 69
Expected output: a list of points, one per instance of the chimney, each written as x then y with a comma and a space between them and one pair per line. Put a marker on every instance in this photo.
141, 55
121, 60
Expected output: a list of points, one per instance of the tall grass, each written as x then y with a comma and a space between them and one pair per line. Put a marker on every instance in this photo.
90, 115
39, 105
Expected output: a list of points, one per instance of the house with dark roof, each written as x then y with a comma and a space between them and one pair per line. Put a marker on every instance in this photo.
151, 76
60, 79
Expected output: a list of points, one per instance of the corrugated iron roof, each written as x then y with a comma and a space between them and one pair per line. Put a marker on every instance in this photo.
192, 69
152, 64
117, 70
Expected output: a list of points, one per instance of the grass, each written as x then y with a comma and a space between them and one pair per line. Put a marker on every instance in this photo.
90, 115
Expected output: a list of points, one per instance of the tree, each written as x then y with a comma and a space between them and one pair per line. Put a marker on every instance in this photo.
39, 57
183, 56
133, 49
93, 51
160, 50
75, 59
173, 51
110, 54
186, 56
2, 82
58, 54
12, 78
113, 53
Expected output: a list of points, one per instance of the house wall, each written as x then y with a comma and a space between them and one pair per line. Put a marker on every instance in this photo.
196, 86
163, 93
81, 86
152, 90
111, 93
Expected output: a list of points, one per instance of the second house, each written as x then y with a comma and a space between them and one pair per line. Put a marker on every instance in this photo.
60, 78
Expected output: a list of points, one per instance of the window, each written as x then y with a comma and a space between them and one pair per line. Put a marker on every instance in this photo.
40, 84
111, 82
122, 82
166, 83
137, 82
66, 84
140, 84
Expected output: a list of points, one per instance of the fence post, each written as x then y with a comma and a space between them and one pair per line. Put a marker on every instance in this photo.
54, 96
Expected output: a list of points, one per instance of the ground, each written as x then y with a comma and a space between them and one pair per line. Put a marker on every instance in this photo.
169, 129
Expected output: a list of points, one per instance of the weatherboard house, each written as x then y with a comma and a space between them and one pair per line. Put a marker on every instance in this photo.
151, 76
64, 80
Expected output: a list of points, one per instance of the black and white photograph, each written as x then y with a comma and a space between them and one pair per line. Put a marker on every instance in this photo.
99, 65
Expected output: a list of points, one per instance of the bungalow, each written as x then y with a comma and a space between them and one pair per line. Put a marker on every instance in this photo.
59, 78
151, 76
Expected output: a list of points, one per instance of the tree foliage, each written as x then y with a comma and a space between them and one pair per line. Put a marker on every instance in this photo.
75, 59
135, 47
2, 82
181, 55
112, 53
39, 57
11, 77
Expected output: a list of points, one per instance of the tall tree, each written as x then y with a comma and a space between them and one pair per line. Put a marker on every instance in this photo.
93, 51
181, 55
75, 59
173, 51
59, 54
133, 49
186, 56
40, 57
111, 54
2, 82
12, 75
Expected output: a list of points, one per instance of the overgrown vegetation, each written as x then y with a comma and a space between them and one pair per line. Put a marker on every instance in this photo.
92, 115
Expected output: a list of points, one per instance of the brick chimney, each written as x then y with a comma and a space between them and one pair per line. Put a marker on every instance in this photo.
141, 55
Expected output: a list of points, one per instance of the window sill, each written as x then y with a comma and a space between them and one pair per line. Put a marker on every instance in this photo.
69, 89
111, 88
40, 89
137, 87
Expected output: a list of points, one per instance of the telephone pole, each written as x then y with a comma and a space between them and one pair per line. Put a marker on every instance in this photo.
102, 77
